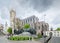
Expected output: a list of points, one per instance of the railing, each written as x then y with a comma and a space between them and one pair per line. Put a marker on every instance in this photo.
46, 41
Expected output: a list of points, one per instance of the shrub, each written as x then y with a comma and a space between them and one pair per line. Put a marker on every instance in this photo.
11, 38
26, 26
17, 38
26, 38
30, 38
9, 30
39, 36
58, 29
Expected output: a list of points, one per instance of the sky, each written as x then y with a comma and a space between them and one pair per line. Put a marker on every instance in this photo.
26, 8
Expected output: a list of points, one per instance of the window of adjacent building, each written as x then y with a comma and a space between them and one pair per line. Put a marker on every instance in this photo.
58, 33
26, 21
35, 27
39, 27
30, 19
33, 20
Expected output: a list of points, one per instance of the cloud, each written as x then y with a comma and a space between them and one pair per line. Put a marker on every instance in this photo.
25, 8
39, 5
56, 19
4, 13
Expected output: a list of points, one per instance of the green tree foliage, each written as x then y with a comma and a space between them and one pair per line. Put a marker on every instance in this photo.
9, 30
58, 29
26, 26
39, 36
32, 31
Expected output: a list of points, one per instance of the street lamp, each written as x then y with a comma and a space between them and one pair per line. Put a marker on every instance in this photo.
43, 26
44, 17
43, 30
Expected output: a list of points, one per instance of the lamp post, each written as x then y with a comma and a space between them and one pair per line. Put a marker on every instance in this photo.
44, 17
43, 26
44, 31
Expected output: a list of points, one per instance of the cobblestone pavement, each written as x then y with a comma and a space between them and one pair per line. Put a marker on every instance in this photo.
3, 39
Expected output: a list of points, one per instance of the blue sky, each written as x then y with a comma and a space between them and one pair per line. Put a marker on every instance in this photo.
25, 8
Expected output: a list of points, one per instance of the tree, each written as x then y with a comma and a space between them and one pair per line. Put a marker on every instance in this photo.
32, 31
58, 29
18, 32
39, 35
9, 30
26, 26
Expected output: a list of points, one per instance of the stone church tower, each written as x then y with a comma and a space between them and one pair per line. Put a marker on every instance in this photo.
12, 19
